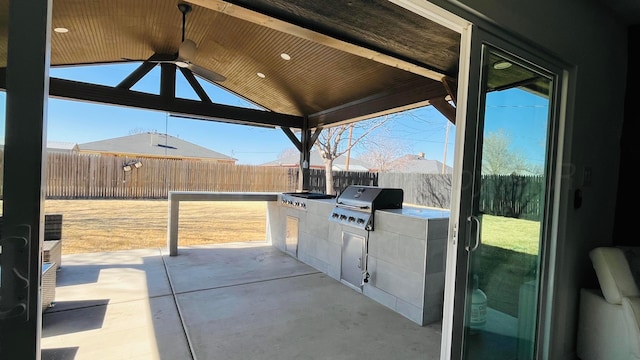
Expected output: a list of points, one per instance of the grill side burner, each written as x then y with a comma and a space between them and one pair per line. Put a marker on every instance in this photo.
357, 204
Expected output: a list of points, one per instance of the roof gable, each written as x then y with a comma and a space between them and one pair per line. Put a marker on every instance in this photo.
153, 144
418, 164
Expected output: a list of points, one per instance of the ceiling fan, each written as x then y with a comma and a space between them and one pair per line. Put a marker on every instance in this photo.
186, 52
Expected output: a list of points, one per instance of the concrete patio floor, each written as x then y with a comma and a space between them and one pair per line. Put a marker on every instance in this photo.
230, 301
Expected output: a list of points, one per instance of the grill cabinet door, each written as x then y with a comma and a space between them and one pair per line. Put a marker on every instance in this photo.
352, 253
291, 239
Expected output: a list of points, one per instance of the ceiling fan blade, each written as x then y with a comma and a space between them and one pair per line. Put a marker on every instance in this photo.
187, 50
206, 74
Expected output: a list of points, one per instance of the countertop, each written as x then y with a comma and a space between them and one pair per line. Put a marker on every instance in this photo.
407, 210
420, 212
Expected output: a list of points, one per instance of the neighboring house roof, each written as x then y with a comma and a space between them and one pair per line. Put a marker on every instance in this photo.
339, 164
61, 146
57, 146
153, 145
417, 164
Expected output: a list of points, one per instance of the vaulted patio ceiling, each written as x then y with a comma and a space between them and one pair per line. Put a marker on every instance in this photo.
350, 60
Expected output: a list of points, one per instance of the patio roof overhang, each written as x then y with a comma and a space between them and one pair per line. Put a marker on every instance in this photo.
350, 60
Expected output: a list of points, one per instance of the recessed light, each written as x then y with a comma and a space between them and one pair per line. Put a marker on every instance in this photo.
261, 75
285, 56
501, 65
61, 30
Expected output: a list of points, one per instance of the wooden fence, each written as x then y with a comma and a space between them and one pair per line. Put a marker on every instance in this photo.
502, 195
84, 176
341, 179
432, 190
513, 196
89, 176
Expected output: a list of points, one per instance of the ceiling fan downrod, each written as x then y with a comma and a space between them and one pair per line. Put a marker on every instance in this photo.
184, 9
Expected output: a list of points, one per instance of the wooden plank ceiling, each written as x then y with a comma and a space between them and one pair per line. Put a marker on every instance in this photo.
349, 59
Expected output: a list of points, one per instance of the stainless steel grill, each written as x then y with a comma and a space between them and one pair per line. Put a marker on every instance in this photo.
357, 204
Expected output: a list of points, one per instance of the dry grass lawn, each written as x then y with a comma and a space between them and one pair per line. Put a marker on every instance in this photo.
108, 225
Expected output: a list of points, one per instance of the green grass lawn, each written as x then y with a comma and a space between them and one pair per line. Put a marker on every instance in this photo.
512, 234
507, 260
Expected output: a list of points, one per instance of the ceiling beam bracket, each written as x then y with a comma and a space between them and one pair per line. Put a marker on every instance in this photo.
136, 75
451, 85
445, 108
287, 131
195, 85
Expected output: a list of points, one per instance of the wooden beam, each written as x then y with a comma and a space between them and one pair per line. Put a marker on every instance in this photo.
408, 96
451, 85
168, 81
445, 108
193, 109
314, 136
195, 85
279, 25
293, 138
305, 155
136, 75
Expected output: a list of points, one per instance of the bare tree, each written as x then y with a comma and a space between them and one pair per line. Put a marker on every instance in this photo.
499, 159
384, 153
288, 153
509, 179
336, 141
139, 130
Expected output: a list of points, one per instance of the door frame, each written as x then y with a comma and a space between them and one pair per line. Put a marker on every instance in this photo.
469, 22
466, 160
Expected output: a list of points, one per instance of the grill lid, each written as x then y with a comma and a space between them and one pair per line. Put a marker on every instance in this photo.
370, 198
357, 203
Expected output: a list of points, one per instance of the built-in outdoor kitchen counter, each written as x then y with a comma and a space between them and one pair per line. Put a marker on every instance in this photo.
404, 269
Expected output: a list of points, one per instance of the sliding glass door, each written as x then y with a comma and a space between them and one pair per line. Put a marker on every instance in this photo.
507, 179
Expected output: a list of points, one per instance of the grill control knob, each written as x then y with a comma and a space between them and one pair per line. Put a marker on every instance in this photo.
352, 219
360, 221
335, 215
342, 217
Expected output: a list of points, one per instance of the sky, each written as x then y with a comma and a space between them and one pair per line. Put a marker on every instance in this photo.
524, 117
422, 130
79, 122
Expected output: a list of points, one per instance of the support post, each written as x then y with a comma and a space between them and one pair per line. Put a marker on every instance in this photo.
305, 156
168, 82
172, 229
28, 63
